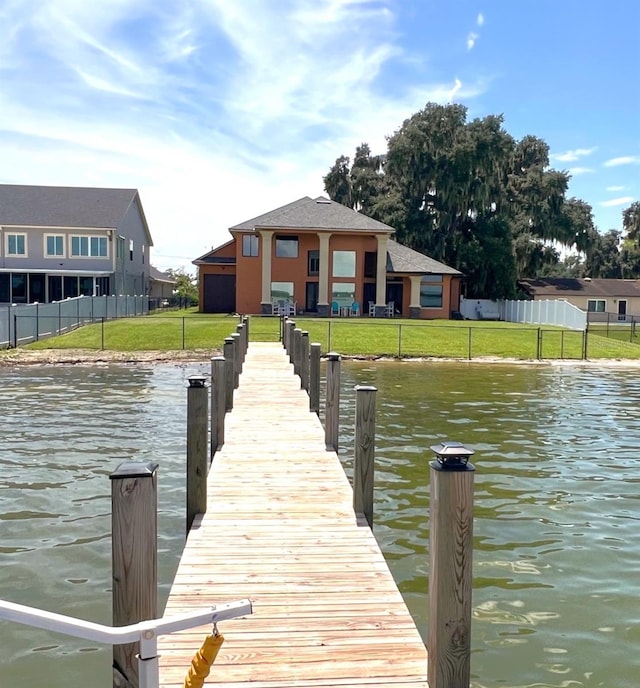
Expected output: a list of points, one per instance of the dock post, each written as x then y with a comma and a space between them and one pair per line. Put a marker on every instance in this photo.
332, 402
236, 360
364, 446
297, 340
134, 553
241, 348
284, 331
304, 360
218, 392
197, 463
292, 327
450, 567
228, 373
314, 379
247, 332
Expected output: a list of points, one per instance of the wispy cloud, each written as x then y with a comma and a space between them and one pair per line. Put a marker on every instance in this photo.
480, 19
615, 188
573, 155
623, 200
623, 160
580, 170
471, 40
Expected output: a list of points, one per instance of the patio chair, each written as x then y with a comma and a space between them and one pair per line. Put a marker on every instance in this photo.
275, 308
389, 309
355, 309
335, 308
291, 307
372, 309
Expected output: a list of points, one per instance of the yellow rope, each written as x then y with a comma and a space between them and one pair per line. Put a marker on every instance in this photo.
202, 661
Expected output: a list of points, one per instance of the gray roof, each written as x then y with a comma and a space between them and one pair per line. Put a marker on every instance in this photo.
559, 287
158, 276
63, 206
314, 213
404, 259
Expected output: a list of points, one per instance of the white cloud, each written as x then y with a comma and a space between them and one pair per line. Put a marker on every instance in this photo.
573, 155
580, 170
471, 40
615, 188
623, 200
480, 19
623, 160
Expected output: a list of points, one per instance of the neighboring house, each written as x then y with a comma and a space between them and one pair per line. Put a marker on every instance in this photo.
599, 297
317, 253
61, 242
161, 284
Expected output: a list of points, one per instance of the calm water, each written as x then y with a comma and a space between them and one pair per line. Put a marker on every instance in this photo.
557, 506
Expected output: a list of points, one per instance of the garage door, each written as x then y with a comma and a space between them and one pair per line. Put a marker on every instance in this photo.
219, 294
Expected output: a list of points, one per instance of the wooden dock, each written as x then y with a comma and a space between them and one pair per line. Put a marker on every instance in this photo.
280, 530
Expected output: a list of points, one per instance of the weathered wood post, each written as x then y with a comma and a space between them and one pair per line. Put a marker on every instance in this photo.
241, 349
247, 332
236, 360
134, 534
228, 373
197, 463
314, 379
297, 340
218, 393
284, 332
292, 327
450, 566
364, 446
304, 360
332, 402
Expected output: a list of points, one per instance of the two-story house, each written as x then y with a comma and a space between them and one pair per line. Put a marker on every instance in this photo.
324, 257
61, 242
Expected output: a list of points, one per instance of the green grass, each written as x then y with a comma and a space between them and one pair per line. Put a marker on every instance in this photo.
177, 330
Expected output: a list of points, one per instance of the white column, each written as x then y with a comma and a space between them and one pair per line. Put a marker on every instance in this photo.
415, 291
323, 276
266, 266
381, 271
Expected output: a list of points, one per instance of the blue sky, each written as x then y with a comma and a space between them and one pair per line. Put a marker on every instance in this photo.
219, 110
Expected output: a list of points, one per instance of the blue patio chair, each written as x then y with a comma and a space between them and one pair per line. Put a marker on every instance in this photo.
355, 309
335, 308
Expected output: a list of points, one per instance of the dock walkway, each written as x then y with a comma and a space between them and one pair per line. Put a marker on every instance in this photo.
280, 530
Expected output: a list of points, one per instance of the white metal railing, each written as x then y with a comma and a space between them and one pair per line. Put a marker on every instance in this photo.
144, 632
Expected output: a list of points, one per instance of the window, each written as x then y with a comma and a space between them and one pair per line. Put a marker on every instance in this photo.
54, 245
370, 263
282, 291
19, 287
431, 291
70, 287
249, 245
596, 305
16, 245
344, 263
142, 249
313, 263
120, 248
86, 286
286, 246
130, 249
343, 293
85, 246
5, 296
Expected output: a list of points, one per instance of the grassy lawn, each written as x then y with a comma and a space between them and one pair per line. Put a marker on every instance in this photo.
176, 330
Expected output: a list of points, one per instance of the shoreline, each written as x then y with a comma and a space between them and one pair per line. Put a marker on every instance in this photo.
26, 357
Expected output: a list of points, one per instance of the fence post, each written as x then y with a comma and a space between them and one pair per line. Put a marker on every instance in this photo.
314, 379
236, 360
15, 330
102, 335
218, 391
228, 373
134, 558
197, 463
450, 567
332, 402
38, 321
585, 335
469, 350
539, 345
364, 445
183, 333
297, 343
399, 340
304, 360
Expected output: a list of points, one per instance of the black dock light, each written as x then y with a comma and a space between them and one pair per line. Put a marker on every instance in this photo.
197, 380
452, 456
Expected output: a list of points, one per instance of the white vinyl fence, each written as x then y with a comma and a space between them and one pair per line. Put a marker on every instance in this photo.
551, 312
25, 323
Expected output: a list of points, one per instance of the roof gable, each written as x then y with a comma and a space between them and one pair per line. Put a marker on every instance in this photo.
314, 213
401, 258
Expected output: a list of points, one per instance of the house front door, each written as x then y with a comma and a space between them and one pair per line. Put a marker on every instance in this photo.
311, 297
622, 310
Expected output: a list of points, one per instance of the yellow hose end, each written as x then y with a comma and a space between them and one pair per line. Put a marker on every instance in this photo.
202, 661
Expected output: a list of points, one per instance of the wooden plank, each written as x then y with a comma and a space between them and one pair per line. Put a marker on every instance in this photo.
280, 530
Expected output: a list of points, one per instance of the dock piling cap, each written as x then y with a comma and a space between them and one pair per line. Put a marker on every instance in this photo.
134, 469
452, 455
197, 380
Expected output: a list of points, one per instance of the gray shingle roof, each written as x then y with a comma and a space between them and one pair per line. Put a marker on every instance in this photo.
61, 206
159, 276
558, 287
404, 259
314, 213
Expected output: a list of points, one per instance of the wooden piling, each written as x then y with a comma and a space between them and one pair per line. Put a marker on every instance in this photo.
332, 402
314, 378
197, 463
292, 327
304, 361
297, 339
364, 446
236, 360
228, 373
134, 534
450, 576
218, 393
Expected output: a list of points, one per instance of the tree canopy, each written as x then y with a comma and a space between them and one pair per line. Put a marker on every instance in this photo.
468, 194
